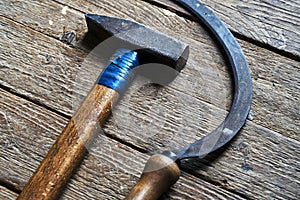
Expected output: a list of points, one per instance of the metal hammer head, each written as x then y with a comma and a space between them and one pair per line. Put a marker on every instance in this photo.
152, 46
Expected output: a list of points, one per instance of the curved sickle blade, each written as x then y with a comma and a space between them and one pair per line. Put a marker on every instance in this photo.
243, 86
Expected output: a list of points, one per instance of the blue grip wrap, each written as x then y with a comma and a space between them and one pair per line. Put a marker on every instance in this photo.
118, 74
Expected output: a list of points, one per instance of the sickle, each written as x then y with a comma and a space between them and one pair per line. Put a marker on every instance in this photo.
161, 170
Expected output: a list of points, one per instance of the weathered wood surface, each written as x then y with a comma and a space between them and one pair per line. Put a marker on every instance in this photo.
35, 65
108, 172
258, 164
66, 154
7, 194
59, 66
275, 23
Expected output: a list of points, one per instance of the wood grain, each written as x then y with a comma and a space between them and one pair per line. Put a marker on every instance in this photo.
6, 194
59, 65
270, 22
109, 171
275, 23
265, 159
68, 151
34, 64
256, 157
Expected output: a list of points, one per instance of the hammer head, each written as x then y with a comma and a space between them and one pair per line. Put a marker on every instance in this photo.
151, 45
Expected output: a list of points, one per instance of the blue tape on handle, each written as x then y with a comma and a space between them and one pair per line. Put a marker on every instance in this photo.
118, 74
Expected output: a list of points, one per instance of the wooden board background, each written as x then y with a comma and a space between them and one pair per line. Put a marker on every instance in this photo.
43, 80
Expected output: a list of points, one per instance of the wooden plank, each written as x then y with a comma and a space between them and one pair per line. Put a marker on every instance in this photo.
275, 23
274, 86
60, 67
6, 194
43, 16
191, 108
108, 172
257, 164
266, 160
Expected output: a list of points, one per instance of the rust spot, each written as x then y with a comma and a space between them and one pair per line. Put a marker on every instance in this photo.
68, 37
245, 166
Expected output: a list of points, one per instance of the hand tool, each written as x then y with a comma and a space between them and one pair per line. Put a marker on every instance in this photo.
162, 170
142, 45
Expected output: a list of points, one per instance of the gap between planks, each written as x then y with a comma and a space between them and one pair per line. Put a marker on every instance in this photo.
89, 170
227, 165
173, 7
252, 59
7, 194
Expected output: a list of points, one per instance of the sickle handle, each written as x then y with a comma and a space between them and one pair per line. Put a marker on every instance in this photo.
71, 146
159, 174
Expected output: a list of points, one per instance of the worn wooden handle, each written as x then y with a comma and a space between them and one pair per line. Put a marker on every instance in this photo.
71, 146
159, 175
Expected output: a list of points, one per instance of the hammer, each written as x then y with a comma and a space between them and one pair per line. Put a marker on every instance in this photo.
142, 45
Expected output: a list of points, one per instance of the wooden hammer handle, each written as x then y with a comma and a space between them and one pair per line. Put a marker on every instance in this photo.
159, 175
71, 146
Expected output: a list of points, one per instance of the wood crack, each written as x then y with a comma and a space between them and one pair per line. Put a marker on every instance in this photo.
8, 186
11, 91
38, 76
235, 33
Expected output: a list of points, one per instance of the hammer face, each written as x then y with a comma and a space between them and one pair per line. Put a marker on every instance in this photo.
153, 46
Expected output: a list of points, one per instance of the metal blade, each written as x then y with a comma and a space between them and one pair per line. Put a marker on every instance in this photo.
243, 86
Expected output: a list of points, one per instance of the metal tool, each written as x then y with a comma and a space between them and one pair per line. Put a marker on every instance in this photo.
142, 45
161, 170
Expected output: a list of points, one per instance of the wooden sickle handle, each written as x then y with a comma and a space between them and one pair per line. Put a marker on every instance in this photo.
159, 175
71, 146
